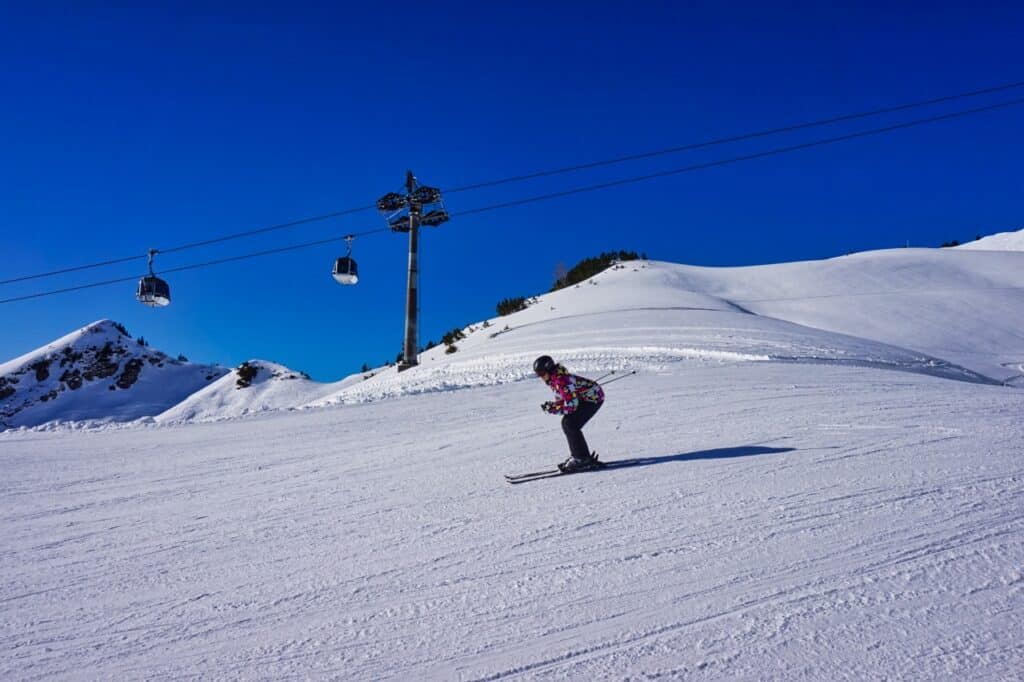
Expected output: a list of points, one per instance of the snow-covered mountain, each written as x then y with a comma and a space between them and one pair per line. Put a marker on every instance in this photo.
97, 372
816, 474
1002, 241
964, 307
952, 313
99, 375
252, 387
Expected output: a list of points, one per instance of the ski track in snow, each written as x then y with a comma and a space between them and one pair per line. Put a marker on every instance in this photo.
783, 522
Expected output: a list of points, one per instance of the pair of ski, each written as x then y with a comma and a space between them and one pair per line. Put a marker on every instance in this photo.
550, 473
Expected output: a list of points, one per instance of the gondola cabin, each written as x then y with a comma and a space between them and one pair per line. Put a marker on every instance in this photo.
153, 292
346, 271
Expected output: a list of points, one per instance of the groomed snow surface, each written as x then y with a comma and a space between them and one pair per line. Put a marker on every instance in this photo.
1003, 241
821, 477
777, 521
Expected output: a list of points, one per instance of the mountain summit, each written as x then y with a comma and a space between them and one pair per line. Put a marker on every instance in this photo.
96, 372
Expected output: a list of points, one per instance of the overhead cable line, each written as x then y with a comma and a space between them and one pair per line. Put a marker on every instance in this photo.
735, 138
196, 266
737, 159
271, 228
577, 190
543, 173
192, 245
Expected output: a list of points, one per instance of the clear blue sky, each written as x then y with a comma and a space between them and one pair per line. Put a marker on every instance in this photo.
126, 128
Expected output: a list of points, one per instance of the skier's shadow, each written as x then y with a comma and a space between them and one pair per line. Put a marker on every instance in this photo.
717, 453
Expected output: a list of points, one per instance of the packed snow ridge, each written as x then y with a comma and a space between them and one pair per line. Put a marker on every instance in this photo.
1002, 241
951, 313
254, 386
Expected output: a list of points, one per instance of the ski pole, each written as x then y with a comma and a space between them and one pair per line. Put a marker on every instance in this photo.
614, 371
618, 378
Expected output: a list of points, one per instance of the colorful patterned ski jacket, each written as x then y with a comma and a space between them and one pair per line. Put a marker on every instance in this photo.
570, 390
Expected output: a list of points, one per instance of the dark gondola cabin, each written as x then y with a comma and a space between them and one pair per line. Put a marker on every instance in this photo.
345, 270
153, 292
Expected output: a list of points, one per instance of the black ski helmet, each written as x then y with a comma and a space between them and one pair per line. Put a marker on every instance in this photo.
544, 365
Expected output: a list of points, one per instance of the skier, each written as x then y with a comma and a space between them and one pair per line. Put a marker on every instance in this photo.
579, 400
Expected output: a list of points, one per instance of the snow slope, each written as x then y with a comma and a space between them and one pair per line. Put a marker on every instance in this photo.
97, 372
958, 315
817, 474
1002, 241
272, 387
966, 307
946, 312
776, 521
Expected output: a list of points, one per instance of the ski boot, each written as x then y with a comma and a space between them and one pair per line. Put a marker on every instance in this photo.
574, 464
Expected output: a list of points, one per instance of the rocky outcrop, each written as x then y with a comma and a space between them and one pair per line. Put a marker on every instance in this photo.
132, 369
246, 373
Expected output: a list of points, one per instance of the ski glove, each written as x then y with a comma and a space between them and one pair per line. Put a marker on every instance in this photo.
550, 407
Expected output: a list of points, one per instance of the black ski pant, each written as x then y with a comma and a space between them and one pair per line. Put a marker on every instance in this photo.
573, 424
